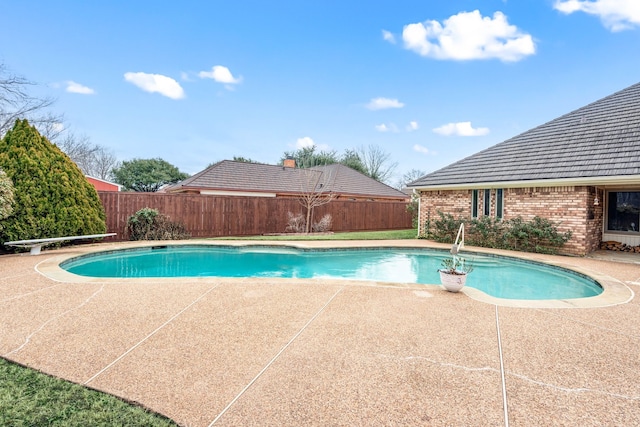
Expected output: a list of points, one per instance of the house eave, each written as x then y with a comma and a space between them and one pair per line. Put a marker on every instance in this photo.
599, 181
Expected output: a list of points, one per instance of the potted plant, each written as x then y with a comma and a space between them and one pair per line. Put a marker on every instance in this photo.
453, 273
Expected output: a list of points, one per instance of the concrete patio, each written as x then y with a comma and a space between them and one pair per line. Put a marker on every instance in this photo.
231, 352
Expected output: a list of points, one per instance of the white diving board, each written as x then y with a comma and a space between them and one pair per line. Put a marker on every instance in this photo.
37, 244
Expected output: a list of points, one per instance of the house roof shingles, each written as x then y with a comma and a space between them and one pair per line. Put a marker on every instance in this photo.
601, 139
229, 175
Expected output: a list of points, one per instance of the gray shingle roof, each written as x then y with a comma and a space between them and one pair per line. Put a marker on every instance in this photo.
228, 175
601, 139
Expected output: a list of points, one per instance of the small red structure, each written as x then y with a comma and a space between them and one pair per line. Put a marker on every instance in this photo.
102, 185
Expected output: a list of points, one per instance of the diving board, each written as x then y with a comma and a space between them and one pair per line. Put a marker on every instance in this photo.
37, 244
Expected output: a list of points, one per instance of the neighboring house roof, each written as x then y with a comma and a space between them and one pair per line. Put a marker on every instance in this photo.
242, 177
103, 185
597, 144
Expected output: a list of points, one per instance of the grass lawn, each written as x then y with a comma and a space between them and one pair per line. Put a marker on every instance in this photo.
356, 235
31, 398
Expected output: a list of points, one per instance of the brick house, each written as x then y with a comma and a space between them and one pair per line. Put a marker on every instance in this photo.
230, 178
581, 171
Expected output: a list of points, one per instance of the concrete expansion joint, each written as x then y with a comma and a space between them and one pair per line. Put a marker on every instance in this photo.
502, 377
52, 319
282, 350
123, 355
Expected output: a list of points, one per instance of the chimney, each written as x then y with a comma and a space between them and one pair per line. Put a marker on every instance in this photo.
289, 163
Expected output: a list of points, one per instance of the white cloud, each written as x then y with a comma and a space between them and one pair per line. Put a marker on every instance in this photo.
152, 83
388, 36
616, 15
304, 142
413, 125
220, 74
421, 149
58, 127
460, 129
74, 87
467, 36
391, 127
383, 104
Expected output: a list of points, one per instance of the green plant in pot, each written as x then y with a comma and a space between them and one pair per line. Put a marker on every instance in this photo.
453, 273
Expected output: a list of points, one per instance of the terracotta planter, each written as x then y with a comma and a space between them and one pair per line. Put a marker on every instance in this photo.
452, 282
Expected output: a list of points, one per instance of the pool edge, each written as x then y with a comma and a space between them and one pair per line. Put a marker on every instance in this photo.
614, 292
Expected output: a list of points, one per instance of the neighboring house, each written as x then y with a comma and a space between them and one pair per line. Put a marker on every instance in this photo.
229, 178
581, 171
102, 185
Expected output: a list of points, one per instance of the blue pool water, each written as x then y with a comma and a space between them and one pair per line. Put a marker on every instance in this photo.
497, 276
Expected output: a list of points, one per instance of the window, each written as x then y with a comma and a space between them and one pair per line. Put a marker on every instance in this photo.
623, 211
487, 202
499, 203
474, 203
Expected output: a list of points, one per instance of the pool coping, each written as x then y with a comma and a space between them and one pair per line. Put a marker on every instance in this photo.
614, 291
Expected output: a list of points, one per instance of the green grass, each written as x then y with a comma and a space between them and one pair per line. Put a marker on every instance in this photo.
31, 398
356, 235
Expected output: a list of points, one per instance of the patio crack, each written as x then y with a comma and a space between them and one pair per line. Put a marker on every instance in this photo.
30, 293
28, 338
516, 375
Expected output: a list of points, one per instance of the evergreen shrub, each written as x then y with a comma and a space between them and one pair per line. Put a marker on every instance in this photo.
52, 197
539, 235
6, 195
149, 224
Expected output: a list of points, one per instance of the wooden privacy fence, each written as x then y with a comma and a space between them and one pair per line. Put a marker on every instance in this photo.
219, 216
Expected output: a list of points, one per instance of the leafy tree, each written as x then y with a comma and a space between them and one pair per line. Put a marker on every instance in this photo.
243, 160
6, 195
351, 159
308, 157
147, 175
52, 196
371, 161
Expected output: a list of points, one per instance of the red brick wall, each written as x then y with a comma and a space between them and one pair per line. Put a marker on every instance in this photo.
571, 208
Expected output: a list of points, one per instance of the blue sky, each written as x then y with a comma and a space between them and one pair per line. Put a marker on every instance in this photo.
430, 82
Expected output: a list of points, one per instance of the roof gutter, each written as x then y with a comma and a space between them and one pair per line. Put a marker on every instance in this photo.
600, 181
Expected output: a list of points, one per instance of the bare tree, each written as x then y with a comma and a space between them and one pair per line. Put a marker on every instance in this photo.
315, 186
377, 162
92, 159
409, 177
104, 162
17, 103
79, 149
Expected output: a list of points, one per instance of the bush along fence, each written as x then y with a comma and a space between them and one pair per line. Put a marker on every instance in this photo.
220, 216
538, 235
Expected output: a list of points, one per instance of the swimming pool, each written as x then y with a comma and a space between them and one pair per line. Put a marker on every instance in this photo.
500, 277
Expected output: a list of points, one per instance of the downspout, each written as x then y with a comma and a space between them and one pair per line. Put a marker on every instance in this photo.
416, 192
